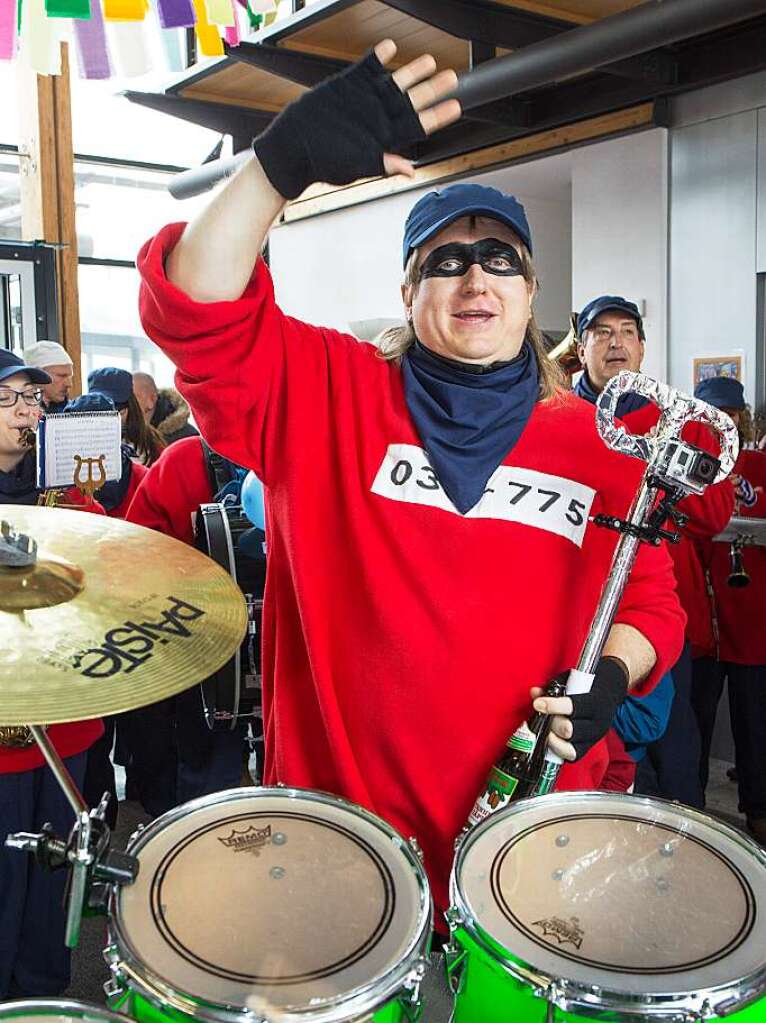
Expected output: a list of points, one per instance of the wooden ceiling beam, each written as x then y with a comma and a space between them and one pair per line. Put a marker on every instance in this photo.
46, 184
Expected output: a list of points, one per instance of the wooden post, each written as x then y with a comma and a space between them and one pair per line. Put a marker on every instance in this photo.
46, 162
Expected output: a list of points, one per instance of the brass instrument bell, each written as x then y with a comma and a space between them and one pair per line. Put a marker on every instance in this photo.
738, 577
565, 352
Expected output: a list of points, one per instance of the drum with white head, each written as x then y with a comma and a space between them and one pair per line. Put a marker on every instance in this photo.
274, 903
609, 906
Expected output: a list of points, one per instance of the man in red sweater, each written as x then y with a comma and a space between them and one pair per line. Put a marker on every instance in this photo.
429, 502
611, 339
176, 757
740, 660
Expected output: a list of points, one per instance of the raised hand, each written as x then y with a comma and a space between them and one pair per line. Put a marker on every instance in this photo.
425, 87
356, 124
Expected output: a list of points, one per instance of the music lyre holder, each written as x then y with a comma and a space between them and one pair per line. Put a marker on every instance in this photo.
93, 864
674, 470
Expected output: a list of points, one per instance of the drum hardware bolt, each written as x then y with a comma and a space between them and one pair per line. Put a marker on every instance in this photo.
455, 960
557, 875
663, 885
667, 849
412, 842
278, 838
706, 1010
562, 840
277, 873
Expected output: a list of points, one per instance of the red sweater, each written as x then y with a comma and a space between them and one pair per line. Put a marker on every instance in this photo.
741, 613
172, 489
708, 514
400, 637
68, 739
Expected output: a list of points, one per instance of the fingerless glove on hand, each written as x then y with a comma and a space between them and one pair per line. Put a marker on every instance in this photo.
339, 131
594, 712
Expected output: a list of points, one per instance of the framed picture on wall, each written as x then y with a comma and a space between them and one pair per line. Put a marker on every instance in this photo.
706, 366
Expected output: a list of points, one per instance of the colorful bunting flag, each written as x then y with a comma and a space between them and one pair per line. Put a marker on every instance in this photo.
125, 10
8, 24
219, 12
67, 8
40, 39
208, 36
90, 42
176, 13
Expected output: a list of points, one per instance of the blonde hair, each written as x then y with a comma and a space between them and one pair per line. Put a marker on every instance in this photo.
393, 342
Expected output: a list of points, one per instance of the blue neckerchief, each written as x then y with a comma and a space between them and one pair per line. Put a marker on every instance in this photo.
625, 404
112, 494
468, 420
19, 486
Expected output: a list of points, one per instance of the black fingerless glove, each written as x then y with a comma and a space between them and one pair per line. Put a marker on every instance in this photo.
594, 712
339, 131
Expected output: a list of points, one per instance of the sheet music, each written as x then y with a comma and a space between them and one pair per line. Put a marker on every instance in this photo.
63, 435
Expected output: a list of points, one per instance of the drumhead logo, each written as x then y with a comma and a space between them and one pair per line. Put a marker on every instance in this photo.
564, 931
129, 645
250, 840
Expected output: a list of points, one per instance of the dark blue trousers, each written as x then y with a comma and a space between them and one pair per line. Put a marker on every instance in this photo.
671, 766
33, 958
747, 707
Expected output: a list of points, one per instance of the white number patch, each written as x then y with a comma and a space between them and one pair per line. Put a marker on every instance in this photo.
536, 499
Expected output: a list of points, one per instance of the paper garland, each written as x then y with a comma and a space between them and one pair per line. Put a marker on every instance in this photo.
110, 35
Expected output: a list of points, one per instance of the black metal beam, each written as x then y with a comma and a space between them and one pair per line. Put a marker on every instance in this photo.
484, 21
619, 37
479, 51
222, 117
301, 68
723, 55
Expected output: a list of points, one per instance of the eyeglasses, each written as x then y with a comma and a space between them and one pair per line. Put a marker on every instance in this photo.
32, 397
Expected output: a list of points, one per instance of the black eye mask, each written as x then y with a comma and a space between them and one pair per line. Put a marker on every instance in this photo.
456, 259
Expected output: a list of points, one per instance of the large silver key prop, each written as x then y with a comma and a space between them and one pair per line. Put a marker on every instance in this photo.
675, 469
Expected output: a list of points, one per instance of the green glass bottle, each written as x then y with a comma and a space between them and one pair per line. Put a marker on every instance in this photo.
518, 770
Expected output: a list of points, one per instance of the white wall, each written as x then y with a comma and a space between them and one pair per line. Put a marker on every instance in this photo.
713, 244
619, 230
344, 266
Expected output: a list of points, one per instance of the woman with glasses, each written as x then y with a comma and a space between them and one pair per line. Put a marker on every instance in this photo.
33, 958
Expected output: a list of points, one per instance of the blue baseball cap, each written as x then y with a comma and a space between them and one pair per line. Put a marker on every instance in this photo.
603, 304
722, 392
93, 401
116, 384
11, 364
437, 210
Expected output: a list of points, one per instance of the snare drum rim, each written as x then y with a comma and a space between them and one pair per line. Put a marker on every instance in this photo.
573, 995
59, 1006
131, 971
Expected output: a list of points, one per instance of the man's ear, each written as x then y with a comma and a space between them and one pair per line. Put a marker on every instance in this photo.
407, 300
581, 353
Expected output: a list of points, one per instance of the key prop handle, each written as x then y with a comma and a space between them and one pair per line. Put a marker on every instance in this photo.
677, 409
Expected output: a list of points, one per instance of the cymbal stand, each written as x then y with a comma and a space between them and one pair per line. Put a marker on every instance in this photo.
94, 866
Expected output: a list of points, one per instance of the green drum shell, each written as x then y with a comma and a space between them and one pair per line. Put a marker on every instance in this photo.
57, 1009
143, 1011
492, 985
493, 988
136, 989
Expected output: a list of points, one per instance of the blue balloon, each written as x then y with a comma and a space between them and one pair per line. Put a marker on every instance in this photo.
252, 500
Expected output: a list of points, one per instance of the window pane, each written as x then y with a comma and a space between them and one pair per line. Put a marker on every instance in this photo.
110, 328
118, 208
10, 198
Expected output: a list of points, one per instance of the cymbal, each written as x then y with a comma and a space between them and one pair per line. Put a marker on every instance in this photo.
751, 532
111, 616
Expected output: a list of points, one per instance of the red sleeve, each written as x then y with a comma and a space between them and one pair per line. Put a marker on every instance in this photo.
751, 465
708, 513
245, 368
171, 490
